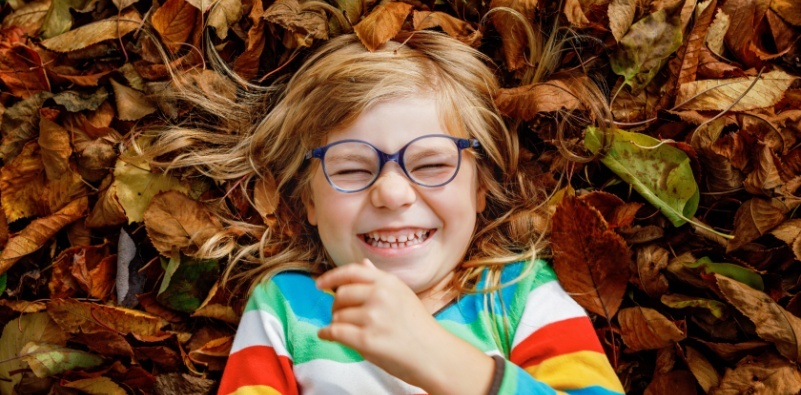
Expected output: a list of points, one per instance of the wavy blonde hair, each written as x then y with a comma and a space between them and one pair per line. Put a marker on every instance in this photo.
331, 89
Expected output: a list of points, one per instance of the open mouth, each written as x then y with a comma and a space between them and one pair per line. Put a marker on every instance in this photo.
404, 239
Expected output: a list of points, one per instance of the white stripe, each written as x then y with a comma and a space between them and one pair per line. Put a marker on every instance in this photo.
260, 328
327, 377
546, 304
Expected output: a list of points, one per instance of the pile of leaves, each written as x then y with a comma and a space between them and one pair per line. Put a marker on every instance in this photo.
682, 237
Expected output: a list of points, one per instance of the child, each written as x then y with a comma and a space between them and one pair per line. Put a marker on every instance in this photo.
403, 250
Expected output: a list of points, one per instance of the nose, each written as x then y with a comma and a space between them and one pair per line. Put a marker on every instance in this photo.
392, 190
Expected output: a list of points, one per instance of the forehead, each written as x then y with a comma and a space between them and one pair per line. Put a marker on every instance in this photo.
390, 124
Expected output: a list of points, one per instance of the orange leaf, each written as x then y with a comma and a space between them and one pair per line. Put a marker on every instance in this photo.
647, 329
74, 317
455, 27
591, 261
382, 24
174, 21
40, 231
529, 100
21, 184
512, 30
173, 220
54, 142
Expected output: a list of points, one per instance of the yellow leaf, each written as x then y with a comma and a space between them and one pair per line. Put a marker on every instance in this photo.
708, 95
136, 186
382, 24
21, 183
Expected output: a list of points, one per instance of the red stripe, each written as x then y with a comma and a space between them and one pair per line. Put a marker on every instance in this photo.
258, 365
559, 338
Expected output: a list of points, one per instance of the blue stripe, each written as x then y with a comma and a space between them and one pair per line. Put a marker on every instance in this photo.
308, 303
594, 390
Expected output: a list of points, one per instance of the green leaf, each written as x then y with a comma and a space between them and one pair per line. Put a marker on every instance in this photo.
644, 49
659, 172
730, 270
58, 19
187, 282
19, 332
716, 308
3, 279
49, 359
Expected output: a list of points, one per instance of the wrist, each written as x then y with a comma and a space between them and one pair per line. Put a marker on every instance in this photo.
455, 366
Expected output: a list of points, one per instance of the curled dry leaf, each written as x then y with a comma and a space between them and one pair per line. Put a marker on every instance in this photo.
788, 10
54, 142
74, 317
643, 328
298, 18
592, 261
717, 32
790, 232
721, 176
382, 24
765, 176
678, 301
710, 67
621, 15
131, 103
773, 323
174, 21
651, 260
716, 95
173, 220
512, 29
702, 369
529, 100
29, 17
223, 14
744, 16
93, 33
265, 196
455, 27
691, 48
107, 211
753, 219
673, 382
21, 184
40, 231
97, 385
764, 374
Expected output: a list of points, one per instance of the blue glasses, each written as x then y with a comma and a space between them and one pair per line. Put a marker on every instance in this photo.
353, 165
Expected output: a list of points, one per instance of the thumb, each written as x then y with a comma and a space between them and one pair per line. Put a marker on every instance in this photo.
366, 262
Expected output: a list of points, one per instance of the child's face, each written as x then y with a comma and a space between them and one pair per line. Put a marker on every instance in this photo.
394, 207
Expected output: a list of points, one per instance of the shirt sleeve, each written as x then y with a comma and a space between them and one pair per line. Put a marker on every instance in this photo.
555, 348
260, 362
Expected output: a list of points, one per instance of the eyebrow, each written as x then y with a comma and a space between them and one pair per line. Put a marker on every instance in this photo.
427, 153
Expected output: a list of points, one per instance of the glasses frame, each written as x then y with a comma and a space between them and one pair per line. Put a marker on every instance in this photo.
397, 157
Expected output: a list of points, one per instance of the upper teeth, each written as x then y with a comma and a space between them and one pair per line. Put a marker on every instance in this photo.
400, 238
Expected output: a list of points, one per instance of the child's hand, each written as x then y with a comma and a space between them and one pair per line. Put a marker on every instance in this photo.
379, 316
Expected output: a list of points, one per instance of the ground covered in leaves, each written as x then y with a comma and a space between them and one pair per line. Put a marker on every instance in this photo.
682, 237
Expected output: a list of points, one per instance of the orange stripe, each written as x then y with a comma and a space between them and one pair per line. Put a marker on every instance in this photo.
255, 390
258, 366
559, 338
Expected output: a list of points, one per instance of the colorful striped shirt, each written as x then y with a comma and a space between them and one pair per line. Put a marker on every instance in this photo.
551, 346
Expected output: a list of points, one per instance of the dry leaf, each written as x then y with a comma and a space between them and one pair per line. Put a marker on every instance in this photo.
54, 143
789, 10
382, 24
651, 260
702, 369
621, 15
674, 382
592, 262
29, 17
131, 103
773, 323
74, 317
21, 184
717, 32
455, 27
689, 53
41, 231
512, 29
297, 18
744, 16
753, 219
266, 196
528, 101
173, 220
765, 177
93, 33
174, 21
647, 329
224, 14
707, 95
767, 374
790, 232
107, 211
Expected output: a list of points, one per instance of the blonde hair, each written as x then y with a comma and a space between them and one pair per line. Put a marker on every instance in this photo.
330, 90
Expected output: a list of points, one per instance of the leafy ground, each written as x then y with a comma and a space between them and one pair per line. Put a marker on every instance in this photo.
682, 238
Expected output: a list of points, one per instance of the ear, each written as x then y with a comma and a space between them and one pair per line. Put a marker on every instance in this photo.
311, 213
481, 198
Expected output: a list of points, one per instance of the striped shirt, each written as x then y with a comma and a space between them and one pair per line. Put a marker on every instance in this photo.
551, 346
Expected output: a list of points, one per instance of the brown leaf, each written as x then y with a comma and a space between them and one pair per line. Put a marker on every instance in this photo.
132, 104
643, 328
151, 305
223, 14
689, 52
54, 143
455, 27
383, 23
629, 107
745, 16
96, 274
702, 369
529, 100
265, 196
21, 71
674, 382
40, 231
213, 354
74, 317
218, 306
765, 176
247, 64
575, 14
709, 95
21, 183
512, 30
752, 220
621, 15
29, 17
651, 260
173, 220
709, 67
787, 9
790, 232
719, 173
174, 21
591, 261
733, 352
93, 33
297, 18
766, 374
773, 323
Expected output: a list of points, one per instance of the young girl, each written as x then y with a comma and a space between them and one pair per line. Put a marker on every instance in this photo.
403, 252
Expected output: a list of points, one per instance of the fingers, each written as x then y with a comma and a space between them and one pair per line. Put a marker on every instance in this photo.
345, 333
348, 274
350, 295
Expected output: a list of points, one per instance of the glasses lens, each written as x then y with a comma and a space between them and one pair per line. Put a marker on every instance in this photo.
432, 161
351, 166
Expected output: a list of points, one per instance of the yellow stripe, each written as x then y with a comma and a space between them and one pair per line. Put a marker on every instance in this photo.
255, 390
577, 370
